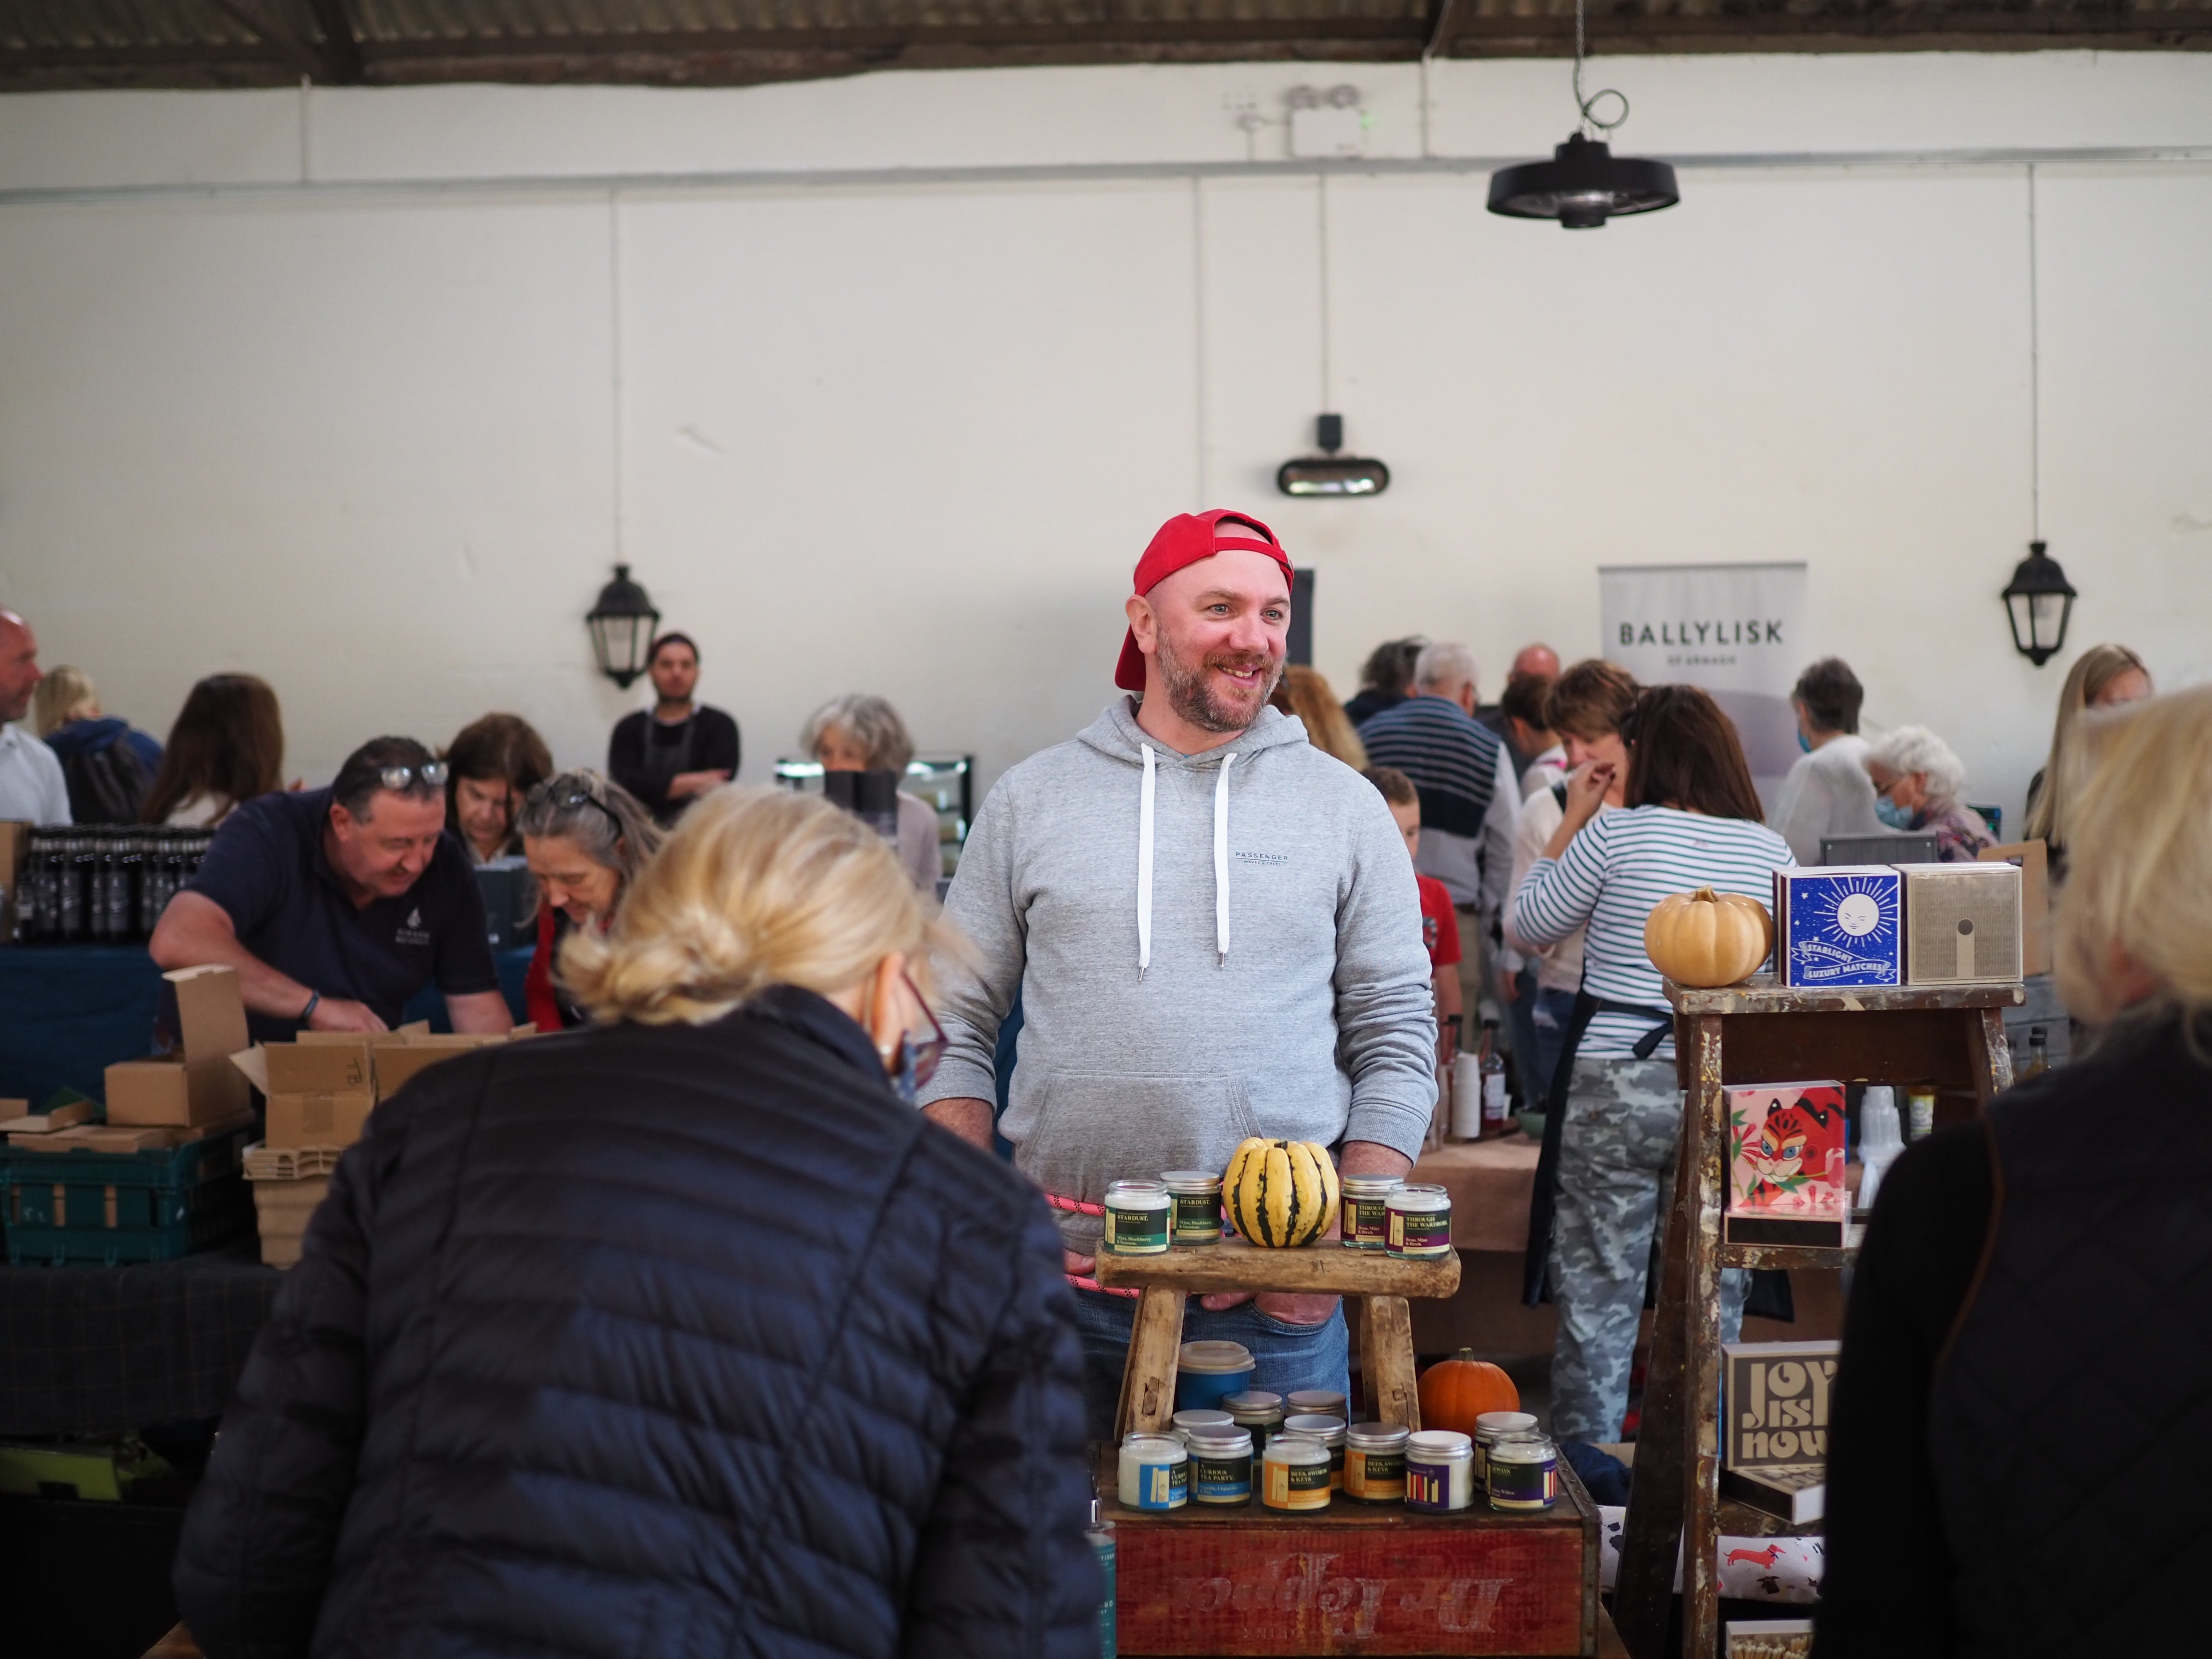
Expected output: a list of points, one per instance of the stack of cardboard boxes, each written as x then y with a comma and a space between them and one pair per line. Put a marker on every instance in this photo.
321, 1090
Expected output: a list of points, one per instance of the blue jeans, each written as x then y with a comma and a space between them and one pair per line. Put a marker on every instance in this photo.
1549, 1014
1286, 1357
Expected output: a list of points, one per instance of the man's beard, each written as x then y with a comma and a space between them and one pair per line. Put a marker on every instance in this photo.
1191, 692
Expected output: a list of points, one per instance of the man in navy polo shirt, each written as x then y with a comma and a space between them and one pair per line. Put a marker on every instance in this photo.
338, 905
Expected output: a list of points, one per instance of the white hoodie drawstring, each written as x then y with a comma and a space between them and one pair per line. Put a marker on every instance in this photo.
1144, 871
1144, 864
1221, 863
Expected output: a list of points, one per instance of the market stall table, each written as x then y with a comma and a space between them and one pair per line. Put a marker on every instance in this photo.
99, 1349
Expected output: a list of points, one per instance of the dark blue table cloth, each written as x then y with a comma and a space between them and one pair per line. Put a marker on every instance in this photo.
69, 1011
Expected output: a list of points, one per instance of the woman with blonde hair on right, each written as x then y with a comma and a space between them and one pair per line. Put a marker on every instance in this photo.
2103, 676
685, 1332
2022, 1393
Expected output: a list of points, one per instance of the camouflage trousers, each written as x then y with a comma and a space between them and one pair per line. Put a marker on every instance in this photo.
1617, 1152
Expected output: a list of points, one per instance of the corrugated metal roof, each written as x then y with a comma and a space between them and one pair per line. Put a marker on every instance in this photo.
202, 43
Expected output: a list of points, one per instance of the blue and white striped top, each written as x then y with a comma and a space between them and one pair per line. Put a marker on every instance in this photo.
1612, 875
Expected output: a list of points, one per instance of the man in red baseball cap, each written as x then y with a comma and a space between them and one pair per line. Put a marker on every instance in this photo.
1214, 933
1210, 616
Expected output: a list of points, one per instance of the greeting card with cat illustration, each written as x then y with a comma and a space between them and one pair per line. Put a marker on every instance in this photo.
1786, 1149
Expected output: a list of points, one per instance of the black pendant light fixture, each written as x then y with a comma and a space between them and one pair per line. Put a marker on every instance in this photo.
622, 625
1585, 183
1329, 473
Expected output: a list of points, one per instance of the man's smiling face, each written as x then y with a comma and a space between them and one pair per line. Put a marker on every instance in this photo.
1219, 630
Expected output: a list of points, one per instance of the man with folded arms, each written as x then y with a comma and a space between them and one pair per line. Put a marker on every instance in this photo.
1215, 932
338, 905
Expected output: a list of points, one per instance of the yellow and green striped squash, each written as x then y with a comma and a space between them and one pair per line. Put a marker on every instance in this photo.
1280, 1193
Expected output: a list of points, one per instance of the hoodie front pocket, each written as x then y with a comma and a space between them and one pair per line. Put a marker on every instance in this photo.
1092, 1127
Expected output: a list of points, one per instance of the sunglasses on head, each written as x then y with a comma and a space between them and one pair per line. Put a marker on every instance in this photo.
432, 773
575, 798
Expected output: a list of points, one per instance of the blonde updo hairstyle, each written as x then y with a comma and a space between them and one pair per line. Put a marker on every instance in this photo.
756, 887
2140, 848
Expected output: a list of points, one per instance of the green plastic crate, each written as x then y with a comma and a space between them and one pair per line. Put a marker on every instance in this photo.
165, 1204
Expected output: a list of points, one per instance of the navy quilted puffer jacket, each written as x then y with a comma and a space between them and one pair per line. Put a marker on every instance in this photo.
657, 1341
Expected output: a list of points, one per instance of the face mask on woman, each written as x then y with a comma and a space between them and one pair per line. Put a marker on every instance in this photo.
1896, 817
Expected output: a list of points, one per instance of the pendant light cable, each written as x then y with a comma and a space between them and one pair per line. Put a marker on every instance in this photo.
1591, 124
2034, 372
1320, 217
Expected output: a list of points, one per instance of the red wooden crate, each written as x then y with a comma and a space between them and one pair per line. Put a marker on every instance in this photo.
1355, 1580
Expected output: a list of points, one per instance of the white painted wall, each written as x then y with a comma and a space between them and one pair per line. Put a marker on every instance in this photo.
365, 390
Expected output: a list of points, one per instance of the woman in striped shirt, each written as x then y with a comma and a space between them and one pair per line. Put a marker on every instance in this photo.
1692, 820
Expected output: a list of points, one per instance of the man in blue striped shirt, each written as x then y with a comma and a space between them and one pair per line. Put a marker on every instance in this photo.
1470, 804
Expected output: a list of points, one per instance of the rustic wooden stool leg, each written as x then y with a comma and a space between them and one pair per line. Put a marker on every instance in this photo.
1148, 1376
1705, 1138
1363, 1338
1989, 1055
1395, 1396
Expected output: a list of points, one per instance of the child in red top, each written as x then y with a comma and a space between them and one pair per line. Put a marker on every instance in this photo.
1439, 926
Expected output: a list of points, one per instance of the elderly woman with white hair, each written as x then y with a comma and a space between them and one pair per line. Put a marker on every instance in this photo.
1917, 783
861, 733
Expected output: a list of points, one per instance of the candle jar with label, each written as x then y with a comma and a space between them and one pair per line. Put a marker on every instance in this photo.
1375, 1462
1439, 1471
1137, 1215
1197, 1197
1366, 1225
1420, 1222
1155, 1472
1294, 1474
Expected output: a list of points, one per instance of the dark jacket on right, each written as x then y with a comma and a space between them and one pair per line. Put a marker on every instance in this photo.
662, 1341
2022, 1431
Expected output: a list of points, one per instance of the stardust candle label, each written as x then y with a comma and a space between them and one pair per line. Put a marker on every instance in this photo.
1839, 925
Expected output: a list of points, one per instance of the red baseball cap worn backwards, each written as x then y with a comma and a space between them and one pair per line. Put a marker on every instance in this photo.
1184, 540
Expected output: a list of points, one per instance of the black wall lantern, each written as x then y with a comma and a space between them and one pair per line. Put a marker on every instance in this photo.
1329, 474
2038, 601
624, 625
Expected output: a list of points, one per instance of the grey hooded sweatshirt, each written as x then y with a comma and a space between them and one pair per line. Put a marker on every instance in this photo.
1208, 946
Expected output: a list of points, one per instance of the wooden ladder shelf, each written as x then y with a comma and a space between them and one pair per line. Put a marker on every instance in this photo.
1758, 1032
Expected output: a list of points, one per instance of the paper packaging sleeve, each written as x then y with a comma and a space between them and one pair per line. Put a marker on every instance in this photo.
321, 1118
210, 1012
2033, 859
175, 1093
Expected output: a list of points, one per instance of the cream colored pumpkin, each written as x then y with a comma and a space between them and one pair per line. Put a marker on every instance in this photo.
1706, 939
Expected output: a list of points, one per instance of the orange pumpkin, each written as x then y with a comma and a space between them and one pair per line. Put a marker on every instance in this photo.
1456, 1391
1708, 939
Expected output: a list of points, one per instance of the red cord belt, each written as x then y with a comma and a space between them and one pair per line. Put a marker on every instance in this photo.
1077, 1206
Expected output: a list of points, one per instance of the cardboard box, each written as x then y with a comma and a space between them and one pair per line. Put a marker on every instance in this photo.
2033, 860
398, 1063
1775, 1401
321, 1118
282, 1209
200, 1085
210, 1012
319, 1062
1839, 925
175, 1093
1962, 924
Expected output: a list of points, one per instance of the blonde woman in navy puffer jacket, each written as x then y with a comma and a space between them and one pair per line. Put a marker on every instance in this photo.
684, 1334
